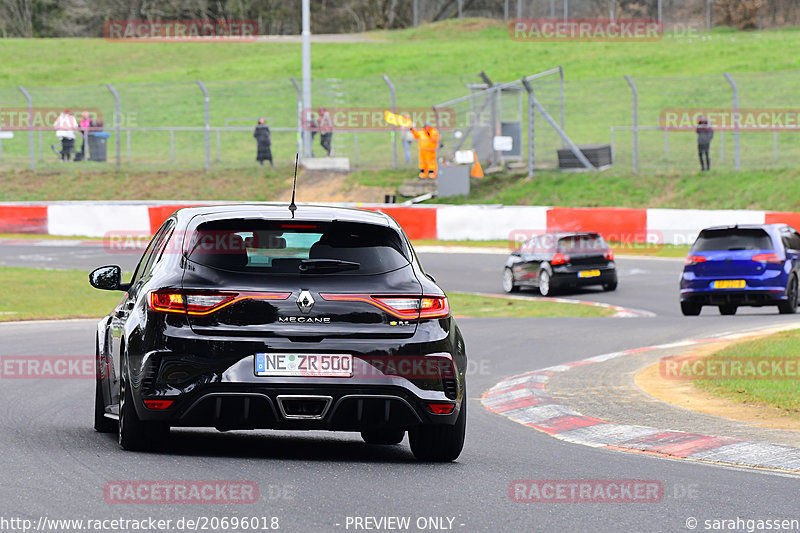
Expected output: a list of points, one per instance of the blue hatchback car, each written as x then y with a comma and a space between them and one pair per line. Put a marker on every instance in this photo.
731, 266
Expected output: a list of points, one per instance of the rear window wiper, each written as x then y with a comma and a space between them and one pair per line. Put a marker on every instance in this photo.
307, 265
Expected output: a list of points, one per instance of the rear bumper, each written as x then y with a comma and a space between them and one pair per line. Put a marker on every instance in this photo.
212, 381
754, 297
348, 409
570, 276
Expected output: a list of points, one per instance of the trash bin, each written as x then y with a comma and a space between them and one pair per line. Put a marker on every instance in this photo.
98, 145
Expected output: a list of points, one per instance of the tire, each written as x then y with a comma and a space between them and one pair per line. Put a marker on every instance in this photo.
383, 436
728, 309
789, 307
133, 434
545, 288
102, 424
440, 443
508, 281
689, 309
610, 286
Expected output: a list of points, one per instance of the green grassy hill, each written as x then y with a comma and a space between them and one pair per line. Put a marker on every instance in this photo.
430, 64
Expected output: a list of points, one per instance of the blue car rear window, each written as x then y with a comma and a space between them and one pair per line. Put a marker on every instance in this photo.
720, 240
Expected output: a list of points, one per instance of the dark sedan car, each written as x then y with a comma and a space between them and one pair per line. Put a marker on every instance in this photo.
246, 317
554, 261
746, 265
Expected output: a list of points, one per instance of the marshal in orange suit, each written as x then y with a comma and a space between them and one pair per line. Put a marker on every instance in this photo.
428, 138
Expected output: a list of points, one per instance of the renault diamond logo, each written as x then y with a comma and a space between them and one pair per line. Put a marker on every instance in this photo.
305, 302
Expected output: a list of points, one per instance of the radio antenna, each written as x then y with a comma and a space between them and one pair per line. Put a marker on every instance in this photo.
292, 206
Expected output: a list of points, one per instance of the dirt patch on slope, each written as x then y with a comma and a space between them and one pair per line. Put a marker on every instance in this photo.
328, 186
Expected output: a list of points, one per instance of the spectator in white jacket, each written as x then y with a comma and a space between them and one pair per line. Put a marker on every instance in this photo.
65, 127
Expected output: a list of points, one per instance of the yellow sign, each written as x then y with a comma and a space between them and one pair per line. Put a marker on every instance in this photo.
397, 120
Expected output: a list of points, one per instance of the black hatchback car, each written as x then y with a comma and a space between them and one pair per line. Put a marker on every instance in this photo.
553, 261
248, 317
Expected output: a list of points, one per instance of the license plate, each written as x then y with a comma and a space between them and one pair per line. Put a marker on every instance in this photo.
304, 365
729, 284
588, 273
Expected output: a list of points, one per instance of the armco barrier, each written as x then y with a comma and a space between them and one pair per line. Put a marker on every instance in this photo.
614, 223
488, 222
681, 226
444, 222
23, 219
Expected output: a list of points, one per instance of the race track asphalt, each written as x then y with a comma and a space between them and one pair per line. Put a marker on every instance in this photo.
55, 465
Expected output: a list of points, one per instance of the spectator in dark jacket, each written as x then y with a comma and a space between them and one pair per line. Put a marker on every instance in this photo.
325, 130
704, 135
264, 143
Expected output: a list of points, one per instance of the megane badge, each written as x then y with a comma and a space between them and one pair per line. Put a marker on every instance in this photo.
305, 302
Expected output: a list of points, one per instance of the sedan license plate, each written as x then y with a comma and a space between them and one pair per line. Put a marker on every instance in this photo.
304, 365
588, 273
729, 284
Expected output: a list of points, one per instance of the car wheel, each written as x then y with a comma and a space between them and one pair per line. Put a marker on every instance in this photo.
383, 436
134, 434
728, 309
690, 309
610, 286
441, 443
508, 281
789, 306
102, 424
544, 283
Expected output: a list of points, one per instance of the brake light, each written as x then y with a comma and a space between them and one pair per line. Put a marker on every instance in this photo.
298, 226
195, 303
609, 255
767, 258
559, 259
158, 404
441, 408
406, 307
694, 259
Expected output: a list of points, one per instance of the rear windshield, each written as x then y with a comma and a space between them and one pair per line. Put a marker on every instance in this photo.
588, 243
719, 240
260, 246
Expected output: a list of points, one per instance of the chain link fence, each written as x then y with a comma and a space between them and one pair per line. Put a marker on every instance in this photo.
163, 125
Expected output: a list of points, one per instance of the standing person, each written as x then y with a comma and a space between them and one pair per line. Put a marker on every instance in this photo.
704, 135
86, 126
263, 142
428, 138
325, 130
65, 127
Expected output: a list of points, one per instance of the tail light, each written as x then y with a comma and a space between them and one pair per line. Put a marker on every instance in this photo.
609, 255
559, 259
158, 404
441, 408
694, 259
767, 258
406, 307
196, 303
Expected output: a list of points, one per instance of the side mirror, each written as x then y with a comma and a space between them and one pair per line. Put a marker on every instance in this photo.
107, 278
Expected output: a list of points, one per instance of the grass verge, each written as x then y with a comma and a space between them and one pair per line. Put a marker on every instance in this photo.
782, 392
479, 306
30, 293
